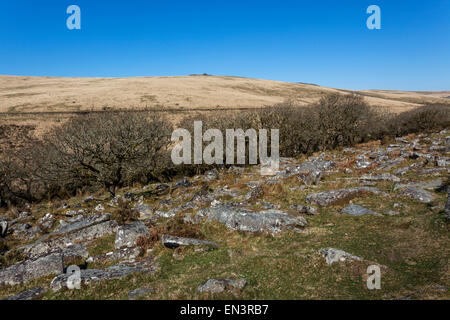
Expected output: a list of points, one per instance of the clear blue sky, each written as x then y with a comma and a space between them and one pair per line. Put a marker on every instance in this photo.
323, 42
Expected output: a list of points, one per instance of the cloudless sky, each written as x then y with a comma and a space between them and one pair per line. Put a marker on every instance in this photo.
323, 41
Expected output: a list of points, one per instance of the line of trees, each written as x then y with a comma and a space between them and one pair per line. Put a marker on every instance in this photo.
110, 150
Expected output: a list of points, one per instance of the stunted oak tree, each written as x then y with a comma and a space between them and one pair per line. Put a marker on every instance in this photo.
108, 148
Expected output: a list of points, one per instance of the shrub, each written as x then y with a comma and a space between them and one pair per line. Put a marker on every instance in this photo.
107, 149
124, 213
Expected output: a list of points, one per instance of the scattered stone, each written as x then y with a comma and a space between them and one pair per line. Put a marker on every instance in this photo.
443, 162
145, 211
270, 221
430, 185
253, 184
39, 248
311, 178
202, 197
119, 254
332, 255
173, 242
173, 212
81, 222
391, 213
25, 231
30, 269
28, 294
147, 265
419, 194
356, 210
128, 234
47, 221
362, 163
73, 213
224, 191
381, 177
267, 205
214, 286
100, 208
137, 293
327, 198
211, 175
305, 209
306, 168
74, 254
161, 189
3, 228
183, 183
254, 194
88, 199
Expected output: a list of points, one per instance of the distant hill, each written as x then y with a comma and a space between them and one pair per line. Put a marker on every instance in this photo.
44, 94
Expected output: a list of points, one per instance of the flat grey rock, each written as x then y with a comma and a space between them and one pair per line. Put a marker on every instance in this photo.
28, 294
235, 218
381, 177
333, 255
221, 285
31, 269
173, 242
147, 266
81, 223
328, 198
128, 234
418, 194
428, 185
39, 248
356, 210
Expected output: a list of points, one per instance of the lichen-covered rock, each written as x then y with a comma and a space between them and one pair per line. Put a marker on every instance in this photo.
306, 168
47, 221
173, 242
128, 234
74, 254
332, 255
81, 223
269, 221
328, 198
356, 210
39, 248
381, 177
25, 231
147, 265
28, 294
202, 197
429, 185
172, 212
418, 194
214, 286
31, 269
